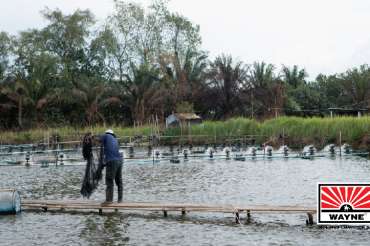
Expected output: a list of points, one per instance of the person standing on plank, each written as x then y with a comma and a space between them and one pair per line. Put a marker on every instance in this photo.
113, 162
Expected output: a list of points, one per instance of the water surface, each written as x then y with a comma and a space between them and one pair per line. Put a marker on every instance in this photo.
272, 182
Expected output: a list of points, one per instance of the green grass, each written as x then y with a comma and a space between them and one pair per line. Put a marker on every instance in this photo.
320, 131
65, 134
297, 131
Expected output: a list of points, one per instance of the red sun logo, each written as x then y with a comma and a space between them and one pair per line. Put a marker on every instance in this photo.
345, 198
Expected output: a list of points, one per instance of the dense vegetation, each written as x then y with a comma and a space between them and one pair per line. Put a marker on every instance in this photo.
293, 131
142, 64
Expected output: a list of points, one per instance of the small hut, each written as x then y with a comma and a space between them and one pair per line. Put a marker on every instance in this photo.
347, 112
182, 119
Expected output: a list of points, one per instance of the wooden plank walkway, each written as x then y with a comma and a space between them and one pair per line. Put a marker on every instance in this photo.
46, 205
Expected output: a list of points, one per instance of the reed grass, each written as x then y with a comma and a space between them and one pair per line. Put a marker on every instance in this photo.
295, 129
66, 134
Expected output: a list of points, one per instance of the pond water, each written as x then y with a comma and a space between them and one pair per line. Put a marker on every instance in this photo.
272, 182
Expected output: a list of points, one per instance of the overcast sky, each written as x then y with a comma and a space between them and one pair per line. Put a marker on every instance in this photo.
322, 36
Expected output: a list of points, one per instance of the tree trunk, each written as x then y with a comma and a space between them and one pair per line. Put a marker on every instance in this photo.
20, 109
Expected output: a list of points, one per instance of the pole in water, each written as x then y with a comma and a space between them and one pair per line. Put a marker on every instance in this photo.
131, 152
28, 155
269, 151
185, 154
227, 154
61, 157
211, 154
311, 150
309, 220
286, 151
254, 151
340, 143
237, 218
332, 149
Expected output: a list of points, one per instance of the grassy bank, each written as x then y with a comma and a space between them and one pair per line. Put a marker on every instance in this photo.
65, 134
293, 131
319, 131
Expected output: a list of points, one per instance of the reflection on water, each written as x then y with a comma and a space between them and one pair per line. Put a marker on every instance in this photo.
105, 230
273, 182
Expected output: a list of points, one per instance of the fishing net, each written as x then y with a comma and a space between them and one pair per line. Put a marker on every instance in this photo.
94, 166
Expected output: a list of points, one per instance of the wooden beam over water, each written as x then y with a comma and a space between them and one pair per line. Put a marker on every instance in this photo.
47, 205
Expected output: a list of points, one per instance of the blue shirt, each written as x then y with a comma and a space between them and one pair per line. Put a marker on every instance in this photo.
111, 148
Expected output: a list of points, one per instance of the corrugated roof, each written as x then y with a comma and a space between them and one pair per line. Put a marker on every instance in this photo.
187, 116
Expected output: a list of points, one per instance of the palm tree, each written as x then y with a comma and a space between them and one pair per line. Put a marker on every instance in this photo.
18, 95
5, 47
140, 87
261, 75
187, 73
227, 78
92, 98
266, 90
294, 77
356, 84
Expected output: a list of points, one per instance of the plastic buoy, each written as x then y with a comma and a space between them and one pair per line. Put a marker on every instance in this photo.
10, 202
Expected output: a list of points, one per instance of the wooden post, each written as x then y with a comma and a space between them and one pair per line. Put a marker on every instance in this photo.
189, 133
165, 213
248, 214
340, 143
252, 113
309, 220
215, 135
237, 218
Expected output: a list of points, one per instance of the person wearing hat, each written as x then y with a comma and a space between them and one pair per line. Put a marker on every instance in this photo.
113, 162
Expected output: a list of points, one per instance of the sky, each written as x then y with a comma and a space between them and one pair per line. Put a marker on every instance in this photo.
322, 36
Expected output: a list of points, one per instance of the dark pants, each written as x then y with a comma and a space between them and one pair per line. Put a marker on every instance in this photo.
113, 173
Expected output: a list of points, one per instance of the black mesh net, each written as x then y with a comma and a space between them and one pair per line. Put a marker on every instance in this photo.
94, 166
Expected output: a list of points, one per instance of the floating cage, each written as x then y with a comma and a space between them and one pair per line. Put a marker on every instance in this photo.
239, 157
44, 164
226, 152
285, 150
167, 153
61, 157
185, 153
309, 151
346, 149
198, 150
332, 149
157, 153
175, 160
210, 152
254, 151
32, 155
268, 151
28, 158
